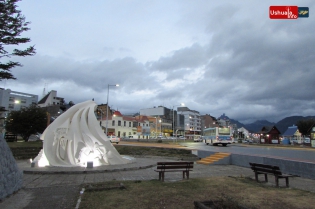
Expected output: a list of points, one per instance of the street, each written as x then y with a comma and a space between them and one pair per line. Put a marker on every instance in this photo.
306, 154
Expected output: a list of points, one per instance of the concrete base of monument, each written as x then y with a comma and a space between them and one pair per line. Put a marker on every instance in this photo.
135, 163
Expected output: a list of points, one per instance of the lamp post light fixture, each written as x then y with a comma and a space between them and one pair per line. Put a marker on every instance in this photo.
182, 104
107, 105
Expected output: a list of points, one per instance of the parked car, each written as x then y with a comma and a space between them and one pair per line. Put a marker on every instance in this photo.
34, 137
249, 141
181, 137
198, 139
114, 139
307, 140
161, 137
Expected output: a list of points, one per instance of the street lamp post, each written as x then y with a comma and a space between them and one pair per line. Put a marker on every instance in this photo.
160, 127
99, 110
107, 106
182, 104
155, 127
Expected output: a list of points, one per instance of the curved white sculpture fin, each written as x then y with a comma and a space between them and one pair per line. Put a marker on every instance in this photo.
76, 138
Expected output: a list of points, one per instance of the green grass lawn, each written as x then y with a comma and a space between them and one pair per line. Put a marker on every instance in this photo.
25, 144
227, 192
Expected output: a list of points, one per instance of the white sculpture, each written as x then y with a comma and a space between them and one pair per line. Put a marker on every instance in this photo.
76, 138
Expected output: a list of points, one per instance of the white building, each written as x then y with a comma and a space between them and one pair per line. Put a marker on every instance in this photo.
192, 121
243, 133
14, 100
50, 99
124, 126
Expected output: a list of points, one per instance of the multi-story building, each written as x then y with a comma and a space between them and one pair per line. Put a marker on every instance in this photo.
165, 116
192, 121
14, 100
208, 121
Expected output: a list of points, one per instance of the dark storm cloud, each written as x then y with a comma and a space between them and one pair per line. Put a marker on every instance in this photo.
189, 57
252, 69
216, 57
95, 75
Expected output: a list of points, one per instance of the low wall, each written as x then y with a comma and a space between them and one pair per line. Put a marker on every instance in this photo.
300, 168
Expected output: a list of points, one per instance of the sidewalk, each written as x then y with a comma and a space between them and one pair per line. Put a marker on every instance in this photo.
56, 188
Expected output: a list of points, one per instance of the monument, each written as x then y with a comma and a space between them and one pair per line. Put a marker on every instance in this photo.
11, 178
75, 138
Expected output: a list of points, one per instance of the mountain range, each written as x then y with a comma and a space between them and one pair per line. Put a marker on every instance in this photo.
281, 125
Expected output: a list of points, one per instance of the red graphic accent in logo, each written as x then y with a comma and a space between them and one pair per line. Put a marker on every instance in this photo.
283, 12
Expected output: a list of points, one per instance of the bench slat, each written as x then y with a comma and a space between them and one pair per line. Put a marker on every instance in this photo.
174, 167
174, 163
171, 170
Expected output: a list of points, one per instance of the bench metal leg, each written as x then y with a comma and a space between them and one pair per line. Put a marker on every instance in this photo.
163, 176
266, 178
287, 181
186, 173
256, 176
160, 176
277, 181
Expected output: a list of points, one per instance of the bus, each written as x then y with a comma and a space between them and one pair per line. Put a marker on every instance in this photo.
217, 135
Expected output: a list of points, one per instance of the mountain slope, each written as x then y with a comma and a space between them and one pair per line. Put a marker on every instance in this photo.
283, 124
257, 125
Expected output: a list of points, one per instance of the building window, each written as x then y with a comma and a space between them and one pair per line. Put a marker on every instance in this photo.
124, 133
11, 99
119, 123
113, 123
11, 106
129, 133
118, 133
129, 124
125, 123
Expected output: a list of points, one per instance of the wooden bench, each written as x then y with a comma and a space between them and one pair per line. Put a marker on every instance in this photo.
184, 167
270, 169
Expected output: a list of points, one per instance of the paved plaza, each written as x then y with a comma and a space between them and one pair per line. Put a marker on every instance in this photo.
59, 188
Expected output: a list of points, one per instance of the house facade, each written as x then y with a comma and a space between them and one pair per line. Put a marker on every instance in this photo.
269, 135
312, 135
293, 133
125, 126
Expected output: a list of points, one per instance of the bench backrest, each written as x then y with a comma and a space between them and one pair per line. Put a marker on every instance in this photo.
265, 168
175, 165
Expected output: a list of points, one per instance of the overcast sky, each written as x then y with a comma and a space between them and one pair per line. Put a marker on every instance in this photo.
214, 56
